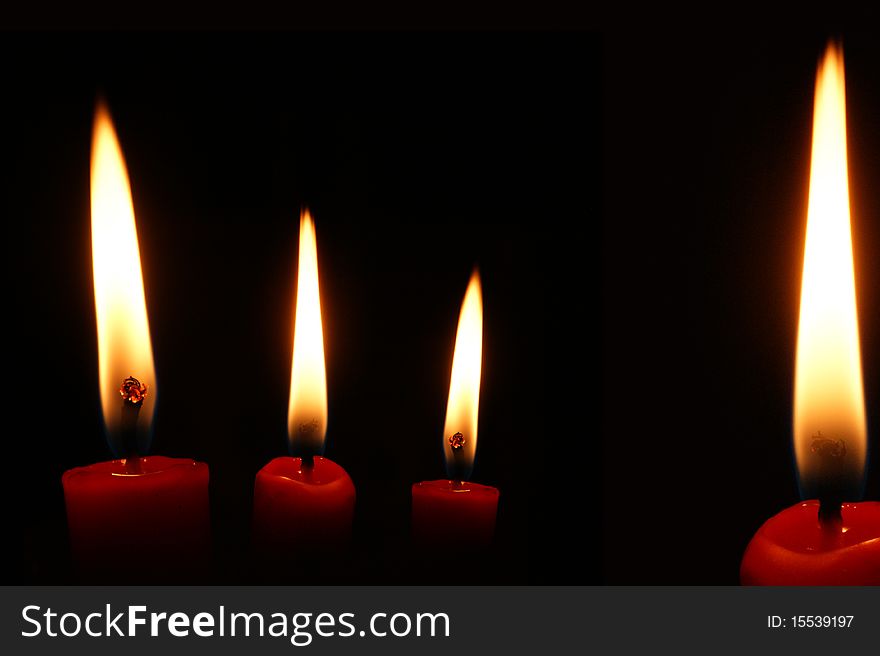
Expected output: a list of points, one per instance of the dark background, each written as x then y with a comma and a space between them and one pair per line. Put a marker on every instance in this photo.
636, 202
707, 143
420, 156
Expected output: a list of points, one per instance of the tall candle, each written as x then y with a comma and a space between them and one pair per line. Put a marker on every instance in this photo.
455, 510
135, 518
304, 502
829, 540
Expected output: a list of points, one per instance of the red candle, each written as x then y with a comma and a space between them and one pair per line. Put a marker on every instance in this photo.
830, 540
129, 518
448, 511
294, 504
148, 521
304, 502
455, 510
794, 548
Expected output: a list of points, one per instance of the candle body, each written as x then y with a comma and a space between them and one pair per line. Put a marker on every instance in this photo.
792, 548
134, 527
298, 509
445, 512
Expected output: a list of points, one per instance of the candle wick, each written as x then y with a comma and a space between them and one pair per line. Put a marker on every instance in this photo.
831, 456
133, 393
457, 468
456, 442
133, 465
830, 515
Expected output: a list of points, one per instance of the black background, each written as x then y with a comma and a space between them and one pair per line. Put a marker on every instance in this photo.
420, 156
707, 142
635, 199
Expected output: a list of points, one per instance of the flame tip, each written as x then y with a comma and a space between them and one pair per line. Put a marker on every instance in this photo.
103, 116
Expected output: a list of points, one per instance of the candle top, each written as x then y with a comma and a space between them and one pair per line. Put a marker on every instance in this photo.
147, 466
323, 472
446, 486
798, 528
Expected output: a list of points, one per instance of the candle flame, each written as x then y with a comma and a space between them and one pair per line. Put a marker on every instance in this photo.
307, 412
124, 348
460, 430
830, 433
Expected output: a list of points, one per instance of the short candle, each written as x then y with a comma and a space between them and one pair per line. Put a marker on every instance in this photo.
455, 510
306, 501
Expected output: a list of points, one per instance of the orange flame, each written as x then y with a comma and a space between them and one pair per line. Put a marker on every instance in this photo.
830, 433
460, 430
124, 347
307, 411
